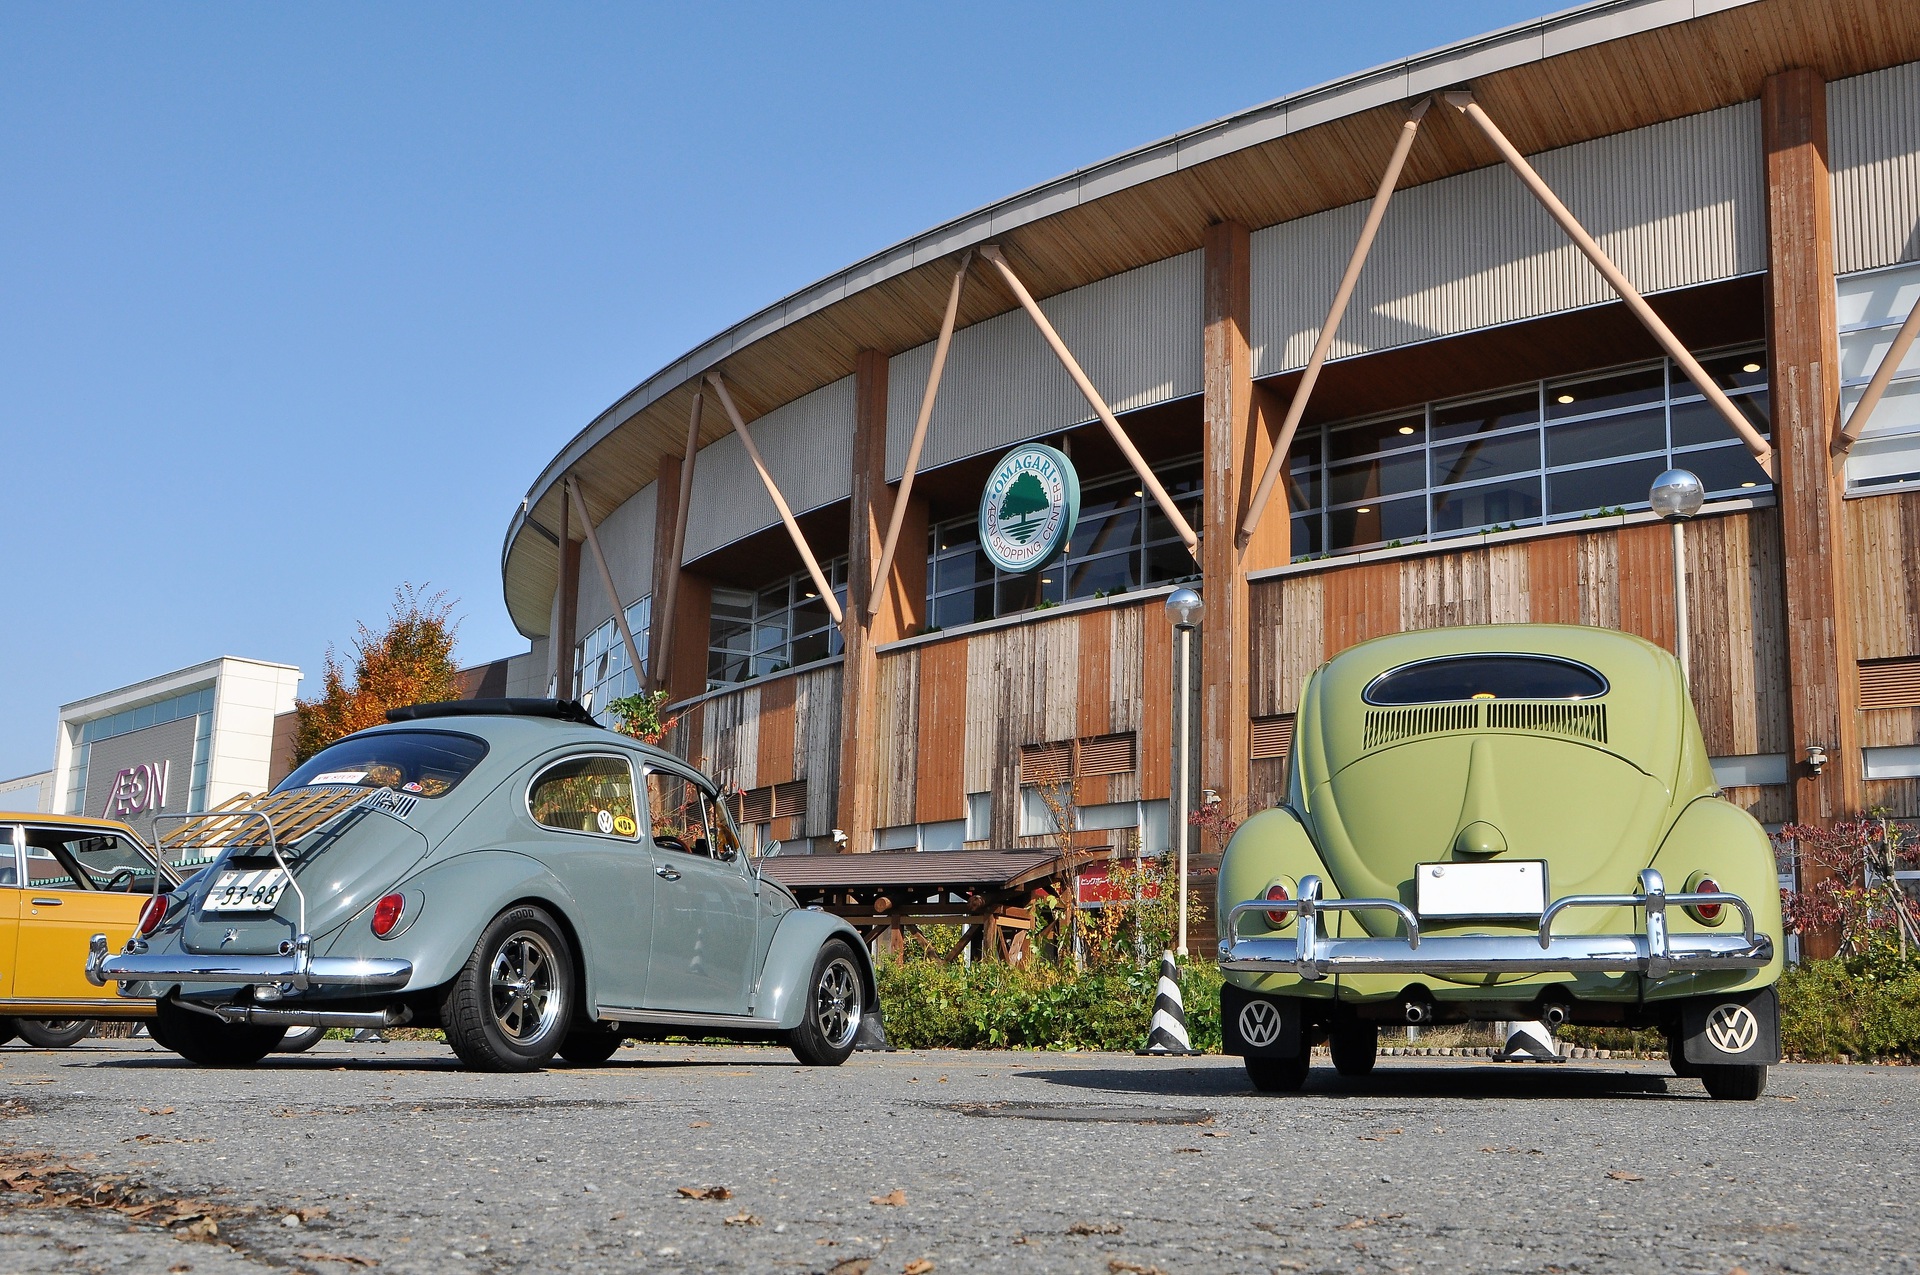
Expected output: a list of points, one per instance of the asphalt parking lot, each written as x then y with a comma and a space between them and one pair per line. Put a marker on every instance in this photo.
119, 1157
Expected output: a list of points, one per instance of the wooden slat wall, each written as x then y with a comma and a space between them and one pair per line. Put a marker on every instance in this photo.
897, 730
1153, 638
775, 762
1093, 710
816, 737
1769, 803
940, 790
1885, 533
1615, 577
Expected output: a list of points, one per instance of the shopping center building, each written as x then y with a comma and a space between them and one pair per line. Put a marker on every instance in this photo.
1476, 448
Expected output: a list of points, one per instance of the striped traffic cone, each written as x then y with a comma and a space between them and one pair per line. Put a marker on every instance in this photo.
1167, 1032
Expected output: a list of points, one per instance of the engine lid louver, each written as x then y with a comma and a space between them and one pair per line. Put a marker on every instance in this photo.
1396, 725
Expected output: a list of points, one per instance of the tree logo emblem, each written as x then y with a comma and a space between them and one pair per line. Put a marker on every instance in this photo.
1732, 1029
1029, 508
1259, 1024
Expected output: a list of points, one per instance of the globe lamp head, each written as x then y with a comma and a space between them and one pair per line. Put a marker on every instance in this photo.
1184, 608
1677, 495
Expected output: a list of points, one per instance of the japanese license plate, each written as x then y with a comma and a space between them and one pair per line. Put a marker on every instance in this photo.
255, 891
1481, 889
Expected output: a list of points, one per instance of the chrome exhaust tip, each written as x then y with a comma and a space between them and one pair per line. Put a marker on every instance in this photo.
1554, 1015
1418, 1012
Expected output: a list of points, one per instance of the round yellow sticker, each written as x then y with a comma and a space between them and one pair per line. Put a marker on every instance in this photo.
623, 825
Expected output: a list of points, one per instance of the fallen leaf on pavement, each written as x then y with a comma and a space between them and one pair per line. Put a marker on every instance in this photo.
1117, 1265
743, 1218
163, 1111
1188, 1151
851, 1266
701, 1124
1622, 1175
919, 1265
1358, 1223
1381, 1136
347, 1259
893, 1199
178, 1267
706, 1192
1216, 1133
1095, 1228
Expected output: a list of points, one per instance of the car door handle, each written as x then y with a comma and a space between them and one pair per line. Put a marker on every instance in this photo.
46, 903
665, 873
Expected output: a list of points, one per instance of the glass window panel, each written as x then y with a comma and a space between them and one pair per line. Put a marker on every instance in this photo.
1115, 573
1380, 476
1352, 441
1016, 593
810, 615
729, 635
1740, 370
1605, 393
957, 536
765, 664
677, 813
726, 666
967, 607
1179, 480
1608, 437
1884, 296
1580, 491
733, 603
1303, 475
814, 646
1697, 421
1496, 504
1486, 458
586, 794
1377, 523
1862, 352
775, 597
1169, 562
1898, 412
957, 570
1725, 469
767, 637
1306, 536
1109, 535
1460, 420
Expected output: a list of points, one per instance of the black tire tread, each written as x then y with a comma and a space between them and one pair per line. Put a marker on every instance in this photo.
464, 1013
208, 1042
592, 1045
806, 1042
1354, 1047
1280, 1075
1734, 1082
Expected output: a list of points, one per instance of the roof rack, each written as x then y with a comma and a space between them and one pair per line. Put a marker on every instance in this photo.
565, 710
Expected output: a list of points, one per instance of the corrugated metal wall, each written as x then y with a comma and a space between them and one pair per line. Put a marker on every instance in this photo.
1873, 129
1675, 204
808, 447
626, 537
1137, 335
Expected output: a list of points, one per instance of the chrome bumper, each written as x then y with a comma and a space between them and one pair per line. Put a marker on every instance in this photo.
296, 968
1652, 952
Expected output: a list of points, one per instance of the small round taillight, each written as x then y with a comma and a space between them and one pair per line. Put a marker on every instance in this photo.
1705, 913
1278, 893
151, 915
386, 914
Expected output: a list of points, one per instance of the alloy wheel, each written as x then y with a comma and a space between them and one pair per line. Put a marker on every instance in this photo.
523, 986
836, 1002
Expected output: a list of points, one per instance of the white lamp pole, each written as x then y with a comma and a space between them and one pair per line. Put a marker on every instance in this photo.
1677, 496
1184, 609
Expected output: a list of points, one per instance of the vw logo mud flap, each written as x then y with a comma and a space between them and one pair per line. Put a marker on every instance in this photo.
1740, 1028
1255, 1026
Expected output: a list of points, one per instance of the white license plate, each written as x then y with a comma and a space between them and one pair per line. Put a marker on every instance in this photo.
1481, 889
246, 891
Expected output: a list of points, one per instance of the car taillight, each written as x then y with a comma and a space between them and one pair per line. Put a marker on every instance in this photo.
386, 914
1705, 913
1278, 893
151, 915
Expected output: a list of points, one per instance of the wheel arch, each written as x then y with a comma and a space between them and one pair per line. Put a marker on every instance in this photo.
789, 965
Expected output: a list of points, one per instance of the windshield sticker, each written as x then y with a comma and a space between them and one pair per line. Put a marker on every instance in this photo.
337, 777
387, 801
604, 818
625, 826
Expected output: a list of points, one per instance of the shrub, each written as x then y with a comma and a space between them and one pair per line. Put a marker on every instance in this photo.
1866, 1007
991, 1005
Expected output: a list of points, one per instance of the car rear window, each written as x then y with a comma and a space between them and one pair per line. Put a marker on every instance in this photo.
426, 763
1458, 677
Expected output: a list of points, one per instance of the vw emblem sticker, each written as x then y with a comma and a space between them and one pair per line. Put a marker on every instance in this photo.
1029, 508
1732, 1029
1259, 1024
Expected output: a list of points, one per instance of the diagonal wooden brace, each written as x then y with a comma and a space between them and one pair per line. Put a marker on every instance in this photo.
606, 580
663, 621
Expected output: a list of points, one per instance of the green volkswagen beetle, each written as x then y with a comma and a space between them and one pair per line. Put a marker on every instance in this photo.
505, 870
1501, 822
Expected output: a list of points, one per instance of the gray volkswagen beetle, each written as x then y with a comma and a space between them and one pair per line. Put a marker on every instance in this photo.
505, 870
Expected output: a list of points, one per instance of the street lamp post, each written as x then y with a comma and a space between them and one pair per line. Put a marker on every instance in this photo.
1184, 609
1677, 496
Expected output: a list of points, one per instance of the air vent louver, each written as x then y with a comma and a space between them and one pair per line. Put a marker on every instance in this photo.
1391, 725
1582, 721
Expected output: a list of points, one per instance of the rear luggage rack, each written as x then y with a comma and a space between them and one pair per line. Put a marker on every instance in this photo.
1652, 951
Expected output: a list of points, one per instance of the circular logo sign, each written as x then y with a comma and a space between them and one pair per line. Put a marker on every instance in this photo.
603, 818
1732, 1029
1259, 1024
1029, 508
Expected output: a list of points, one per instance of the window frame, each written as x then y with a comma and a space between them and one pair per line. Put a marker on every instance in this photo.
526, 797
713, 807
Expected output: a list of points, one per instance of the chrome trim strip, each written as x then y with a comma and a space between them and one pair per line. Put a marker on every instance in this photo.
297, 968
671, 1017
1654, 952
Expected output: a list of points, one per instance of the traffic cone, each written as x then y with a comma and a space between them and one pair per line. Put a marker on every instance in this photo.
1529, 1041
1167, 1032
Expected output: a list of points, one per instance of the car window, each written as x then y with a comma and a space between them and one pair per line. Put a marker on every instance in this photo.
585, 794
62, 859
686, 819
9, 859
1462, 677
426, 763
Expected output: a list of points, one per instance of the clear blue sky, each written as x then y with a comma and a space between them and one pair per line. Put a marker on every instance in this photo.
295, 301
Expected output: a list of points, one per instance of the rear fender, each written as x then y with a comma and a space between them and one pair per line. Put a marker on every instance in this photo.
457, 898
1272, 845
1718, 838
782, 993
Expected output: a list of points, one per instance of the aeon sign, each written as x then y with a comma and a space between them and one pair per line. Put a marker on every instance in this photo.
138, 790
1029, 508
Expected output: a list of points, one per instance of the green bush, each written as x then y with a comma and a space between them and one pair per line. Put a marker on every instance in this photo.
990, 1005
1866, 1006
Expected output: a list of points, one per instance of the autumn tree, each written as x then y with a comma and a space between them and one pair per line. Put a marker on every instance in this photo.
410, 661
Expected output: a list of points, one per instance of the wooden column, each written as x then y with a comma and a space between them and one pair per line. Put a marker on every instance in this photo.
871, 508
1824, 680
1236, 443
686, 671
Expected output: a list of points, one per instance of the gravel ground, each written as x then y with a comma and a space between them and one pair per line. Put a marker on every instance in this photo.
121, 1158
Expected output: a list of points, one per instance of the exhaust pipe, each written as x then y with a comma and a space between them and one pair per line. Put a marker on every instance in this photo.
1554, 1015
376, 1019
1419, 1012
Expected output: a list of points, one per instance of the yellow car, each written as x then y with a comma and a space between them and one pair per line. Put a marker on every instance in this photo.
64, 878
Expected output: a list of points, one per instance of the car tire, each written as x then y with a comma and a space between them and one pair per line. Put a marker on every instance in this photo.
205, 1040
1734, 1082
299, 1040
54, 1033
835, 1002
1677, 1059
1279, 1075
9, 1028
1354, 1046
592, 1045
509, 1007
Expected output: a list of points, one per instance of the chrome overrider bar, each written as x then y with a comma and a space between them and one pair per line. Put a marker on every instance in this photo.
1653, 952
296, 969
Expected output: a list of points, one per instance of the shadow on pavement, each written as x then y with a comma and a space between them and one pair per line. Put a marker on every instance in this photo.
1518, 1080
